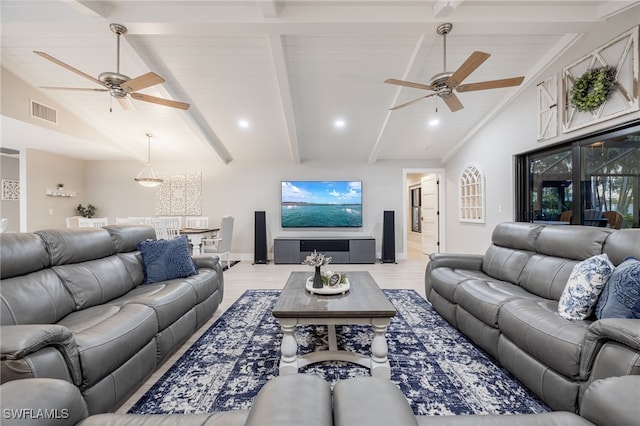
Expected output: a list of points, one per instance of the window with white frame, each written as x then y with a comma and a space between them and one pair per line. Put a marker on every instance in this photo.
471, 195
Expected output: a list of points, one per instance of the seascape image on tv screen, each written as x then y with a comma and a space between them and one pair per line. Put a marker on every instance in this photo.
321, 204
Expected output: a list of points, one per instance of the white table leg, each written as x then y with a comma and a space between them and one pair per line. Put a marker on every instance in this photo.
380, 366
289, 348
196, 240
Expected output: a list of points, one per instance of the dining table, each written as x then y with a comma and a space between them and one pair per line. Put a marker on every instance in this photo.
195, 236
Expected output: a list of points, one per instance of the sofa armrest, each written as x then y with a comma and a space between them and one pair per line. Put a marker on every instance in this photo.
293, 400
624, 331
450, 260
370, 401
613, 401
41, 401
20, 341
208, 261
456, 261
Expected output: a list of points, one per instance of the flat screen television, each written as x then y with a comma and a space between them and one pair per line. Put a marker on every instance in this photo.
321, 204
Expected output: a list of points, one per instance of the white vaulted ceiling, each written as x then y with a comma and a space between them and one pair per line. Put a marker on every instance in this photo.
289, 68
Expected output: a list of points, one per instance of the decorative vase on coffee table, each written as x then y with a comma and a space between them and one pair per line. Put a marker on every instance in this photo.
317, 278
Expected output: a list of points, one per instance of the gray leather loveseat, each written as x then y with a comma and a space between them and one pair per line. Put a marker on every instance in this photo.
73, 307
307, 400
506, 301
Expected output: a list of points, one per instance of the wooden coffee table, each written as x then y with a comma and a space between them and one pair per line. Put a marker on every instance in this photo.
364, 303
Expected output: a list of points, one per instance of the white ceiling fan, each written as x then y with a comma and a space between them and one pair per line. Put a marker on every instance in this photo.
119, 86
444, 83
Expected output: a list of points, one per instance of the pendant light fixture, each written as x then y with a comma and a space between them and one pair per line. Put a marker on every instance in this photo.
147, 176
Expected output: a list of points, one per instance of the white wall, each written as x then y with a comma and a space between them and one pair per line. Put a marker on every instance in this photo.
240, 188
513, 132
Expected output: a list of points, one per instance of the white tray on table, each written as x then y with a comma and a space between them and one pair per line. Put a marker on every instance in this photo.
340, 288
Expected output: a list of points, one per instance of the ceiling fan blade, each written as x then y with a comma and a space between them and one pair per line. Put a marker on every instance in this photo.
159, 101
142, 82
69, 67
492, 84
411, 102
83, 89
473, 61
452, 102
125, 103
408, 84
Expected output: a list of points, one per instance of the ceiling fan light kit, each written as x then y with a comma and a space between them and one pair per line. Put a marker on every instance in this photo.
120, 86
147, 177
445, 83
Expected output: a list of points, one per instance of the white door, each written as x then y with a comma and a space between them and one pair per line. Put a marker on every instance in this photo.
430, 213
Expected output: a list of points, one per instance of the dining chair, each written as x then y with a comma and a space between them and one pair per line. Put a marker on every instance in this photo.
614, 218
166, 228
221, 244
94, 222
197, 222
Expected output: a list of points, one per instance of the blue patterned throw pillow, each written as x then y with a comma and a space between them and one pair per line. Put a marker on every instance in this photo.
621, 296
584, 286
166, 259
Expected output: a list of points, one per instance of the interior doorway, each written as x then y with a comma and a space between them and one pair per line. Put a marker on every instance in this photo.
423, 216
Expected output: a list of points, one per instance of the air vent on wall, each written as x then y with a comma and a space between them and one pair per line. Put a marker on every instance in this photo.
44, 112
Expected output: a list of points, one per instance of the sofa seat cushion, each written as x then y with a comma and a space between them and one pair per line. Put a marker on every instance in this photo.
108, 335
536, 328
483, 299
445, 280
169, 299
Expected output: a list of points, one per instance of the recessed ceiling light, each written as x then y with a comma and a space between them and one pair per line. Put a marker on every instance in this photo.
339, 123
434, 121
243, 123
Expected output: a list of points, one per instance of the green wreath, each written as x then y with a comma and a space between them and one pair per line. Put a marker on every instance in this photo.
593, 88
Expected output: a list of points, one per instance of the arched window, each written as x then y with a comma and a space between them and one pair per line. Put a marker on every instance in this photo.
471, 193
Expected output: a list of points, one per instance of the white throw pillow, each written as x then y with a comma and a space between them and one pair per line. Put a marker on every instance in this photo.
584, 286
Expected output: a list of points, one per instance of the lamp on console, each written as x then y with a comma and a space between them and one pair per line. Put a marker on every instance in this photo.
147, 176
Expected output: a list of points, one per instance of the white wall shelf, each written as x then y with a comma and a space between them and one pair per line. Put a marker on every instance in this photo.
60, 193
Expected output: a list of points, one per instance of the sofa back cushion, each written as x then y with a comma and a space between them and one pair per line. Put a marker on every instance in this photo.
75, 245
546, 276
95, 282
21, 253
35, 298
126, 237
571, 242
512, 246
621, 244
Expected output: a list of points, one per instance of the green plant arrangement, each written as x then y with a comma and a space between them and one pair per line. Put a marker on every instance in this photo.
593, 88
88, 211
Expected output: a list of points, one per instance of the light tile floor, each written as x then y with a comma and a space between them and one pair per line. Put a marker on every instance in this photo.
405, 274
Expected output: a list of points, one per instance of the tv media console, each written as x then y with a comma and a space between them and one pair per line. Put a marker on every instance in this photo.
341, 250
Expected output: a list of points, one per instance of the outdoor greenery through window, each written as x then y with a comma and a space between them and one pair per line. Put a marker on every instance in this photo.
594, 181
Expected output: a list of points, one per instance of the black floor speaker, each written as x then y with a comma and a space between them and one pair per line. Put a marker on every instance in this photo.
260, 238
388, 237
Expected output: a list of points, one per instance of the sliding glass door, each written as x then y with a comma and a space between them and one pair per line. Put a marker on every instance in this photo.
594, 181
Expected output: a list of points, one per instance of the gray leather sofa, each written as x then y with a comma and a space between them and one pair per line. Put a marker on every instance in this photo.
302, 399
506, 301
73, 308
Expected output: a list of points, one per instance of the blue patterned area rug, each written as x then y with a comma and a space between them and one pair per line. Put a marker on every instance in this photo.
438, 369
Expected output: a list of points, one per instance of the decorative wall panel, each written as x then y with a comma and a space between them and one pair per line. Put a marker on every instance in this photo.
10, 190
620, 53
548, 108
180, 195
